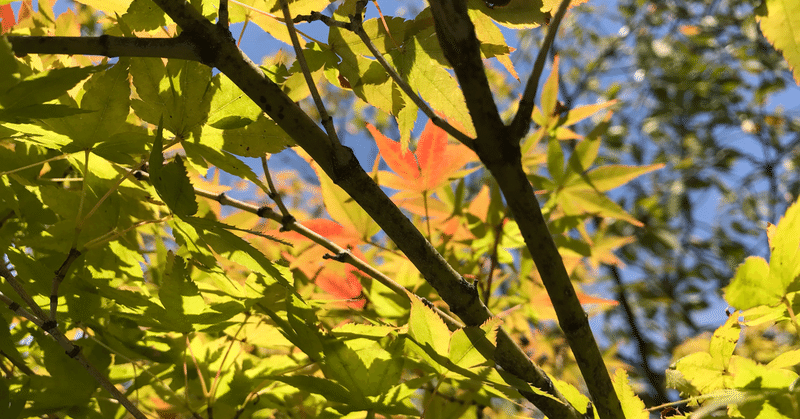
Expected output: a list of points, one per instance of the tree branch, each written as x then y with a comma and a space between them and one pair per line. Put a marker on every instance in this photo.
105, 45
522, 120
72, 350
498, 148
327, 121
296, 226
655, 379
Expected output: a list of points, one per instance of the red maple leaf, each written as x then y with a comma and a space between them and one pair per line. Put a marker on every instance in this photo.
7, 17
432, 165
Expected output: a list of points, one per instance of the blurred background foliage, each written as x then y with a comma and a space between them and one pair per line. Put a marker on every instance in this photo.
703, 92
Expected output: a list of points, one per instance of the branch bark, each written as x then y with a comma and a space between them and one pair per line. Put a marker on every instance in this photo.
498, 147
105, 45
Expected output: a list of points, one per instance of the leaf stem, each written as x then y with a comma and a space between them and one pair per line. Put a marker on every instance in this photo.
792, 315
206, 390
346, 256
71, 349
28, 166
78, 220
215, 384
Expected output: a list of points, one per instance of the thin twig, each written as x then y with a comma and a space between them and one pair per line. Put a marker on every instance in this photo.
273, 193
317, 16
28, 166
72, 350
642, 344
522, 120
493, 259
17, 309
61, 273
12, 280
327, 120
357, 23
343, 254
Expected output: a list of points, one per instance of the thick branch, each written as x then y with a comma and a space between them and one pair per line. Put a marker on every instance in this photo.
498, 148
461, 47
105, 45
571, 317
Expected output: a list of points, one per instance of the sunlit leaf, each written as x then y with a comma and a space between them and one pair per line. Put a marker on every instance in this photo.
580, 113
784, 263
780, 24
107, 96
576, 202
435, 85
753, 285
516, 14
427, 328
632, 405
550, 93
180, 92
341, 207
430, 166
723, 342
170, 180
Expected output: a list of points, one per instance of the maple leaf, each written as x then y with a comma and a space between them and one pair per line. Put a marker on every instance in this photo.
7, 18
344, 286
543, 307
432, 165
335, 279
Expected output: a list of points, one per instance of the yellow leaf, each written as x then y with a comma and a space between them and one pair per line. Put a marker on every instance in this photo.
780, 24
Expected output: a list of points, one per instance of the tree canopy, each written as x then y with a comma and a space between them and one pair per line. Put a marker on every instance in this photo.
159, 263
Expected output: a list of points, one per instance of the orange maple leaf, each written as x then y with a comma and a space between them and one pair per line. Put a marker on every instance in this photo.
7, 18
543, 307
335, 279
432, 165
345, 286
